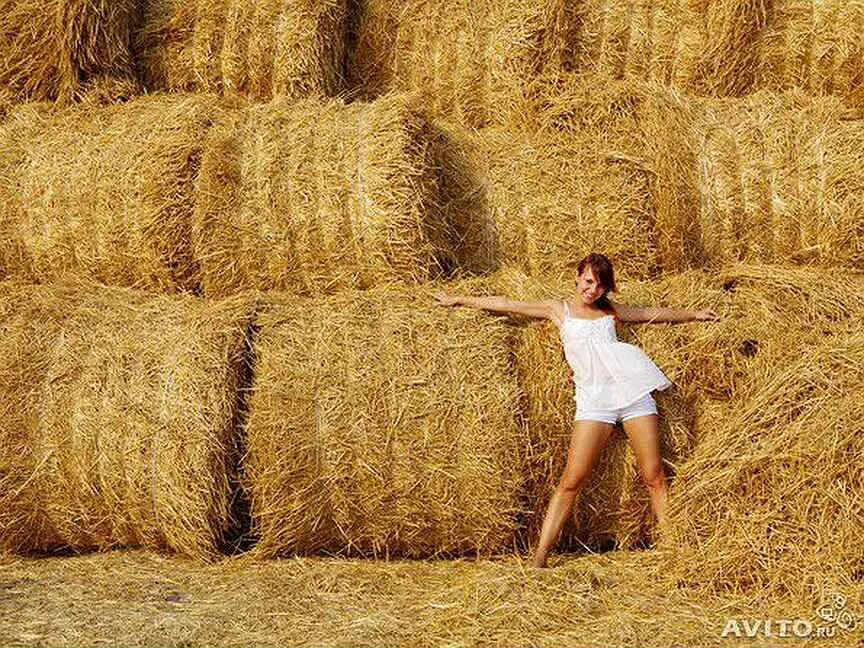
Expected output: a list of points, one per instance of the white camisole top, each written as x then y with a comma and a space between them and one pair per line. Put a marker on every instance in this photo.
608, 374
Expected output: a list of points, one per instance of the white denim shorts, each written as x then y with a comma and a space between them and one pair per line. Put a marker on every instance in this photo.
643, 406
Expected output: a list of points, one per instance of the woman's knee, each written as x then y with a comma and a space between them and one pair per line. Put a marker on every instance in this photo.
653, 476
574, 477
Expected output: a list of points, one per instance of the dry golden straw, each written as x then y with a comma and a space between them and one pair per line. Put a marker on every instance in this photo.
780, 177
122, 411
382, 424
262, 49
104, 193
48, 49
551, 200
315, 197
469, 59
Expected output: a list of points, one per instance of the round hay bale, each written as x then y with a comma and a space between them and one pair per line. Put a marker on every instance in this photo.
780, 179
469, 59
644, 129
315, 197
651, 40
612, 509
814, 45
551, 199
104, 193
381, 424
259, 50
771, 501
127, 420
50, 48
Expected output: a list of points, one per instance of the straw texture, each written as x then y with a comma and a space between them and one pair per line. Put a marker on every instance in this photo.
381, 424
262, 49
122, 408
315, 197
105, 194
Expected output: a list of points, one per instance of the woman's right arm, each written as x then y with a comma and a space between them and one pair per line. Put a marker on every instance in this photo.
499, 304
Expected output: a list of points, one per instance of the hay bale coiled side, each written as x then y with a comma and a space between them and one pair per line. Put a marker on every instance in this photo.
259, 50
48, 49
104, 193
125, 435
780, 180
315, 197
381, 424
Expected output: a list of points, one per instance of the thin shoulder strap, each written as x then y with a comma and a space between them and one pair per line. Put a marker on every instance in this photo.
566, 308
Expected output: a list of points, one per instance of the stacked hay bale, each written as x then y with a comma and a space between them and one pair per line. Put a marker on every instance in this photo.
781, 181
470, 60
317, 197
104, 194
549, 200
50, 48
771, 500
380, 425
121, 412
287, 48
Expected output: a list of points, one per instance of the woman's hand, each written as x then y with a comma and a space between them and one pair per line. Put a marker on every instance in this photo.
706, 315
446, 300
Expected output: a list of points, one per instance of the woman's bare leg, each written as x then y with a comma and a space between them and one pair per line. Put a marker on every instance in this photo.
586, 442
643, 433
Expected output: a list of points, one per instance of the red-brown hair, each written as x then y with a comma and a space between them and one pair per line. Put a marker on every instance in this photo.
605, 274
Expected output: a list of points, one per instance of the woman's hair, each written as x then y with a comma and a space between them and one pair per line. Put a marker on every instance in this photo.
605, 274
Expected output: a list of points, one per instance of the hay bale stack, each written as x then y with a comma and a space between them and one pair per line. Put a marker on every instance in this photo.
315, 197
550, 200
643, 129
469, 59
771, 501
105, 194
614, 507
48, 49
814, 45
123, 426
660, 42
780, 179
259, 50
381, 424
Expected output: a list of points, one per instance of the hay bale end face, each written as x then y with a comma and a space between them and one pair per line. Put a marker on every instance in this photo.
381, 424
122, 433
259, 50
314, 197
50, 48
103, 193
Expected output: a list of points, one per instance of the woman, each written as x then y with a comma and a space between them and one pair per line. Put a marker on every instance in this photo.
614, 381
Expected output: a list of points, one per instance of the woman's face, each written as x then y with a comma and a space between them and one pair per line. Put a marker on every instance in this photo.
588, 287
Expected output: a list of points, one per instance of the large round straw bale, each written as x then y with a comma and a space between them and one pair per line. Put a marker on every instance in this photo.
124, 434
646, 130
552, 199
262, 49
314, 197
103, 193
656, 41
614, 506
781, 180
381, 424
771, 501
49, 48
470, 59
814, 45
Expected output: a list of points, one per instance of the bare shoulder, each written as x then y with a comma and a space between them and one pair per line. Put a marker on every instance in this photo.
627, 313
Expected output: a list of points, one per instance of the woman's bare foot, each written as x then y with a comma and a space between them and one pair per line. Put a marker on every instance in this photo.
539, 562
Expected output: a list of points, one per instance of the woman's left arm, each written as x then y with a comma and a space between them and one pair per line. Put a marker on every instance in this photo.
657, 314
